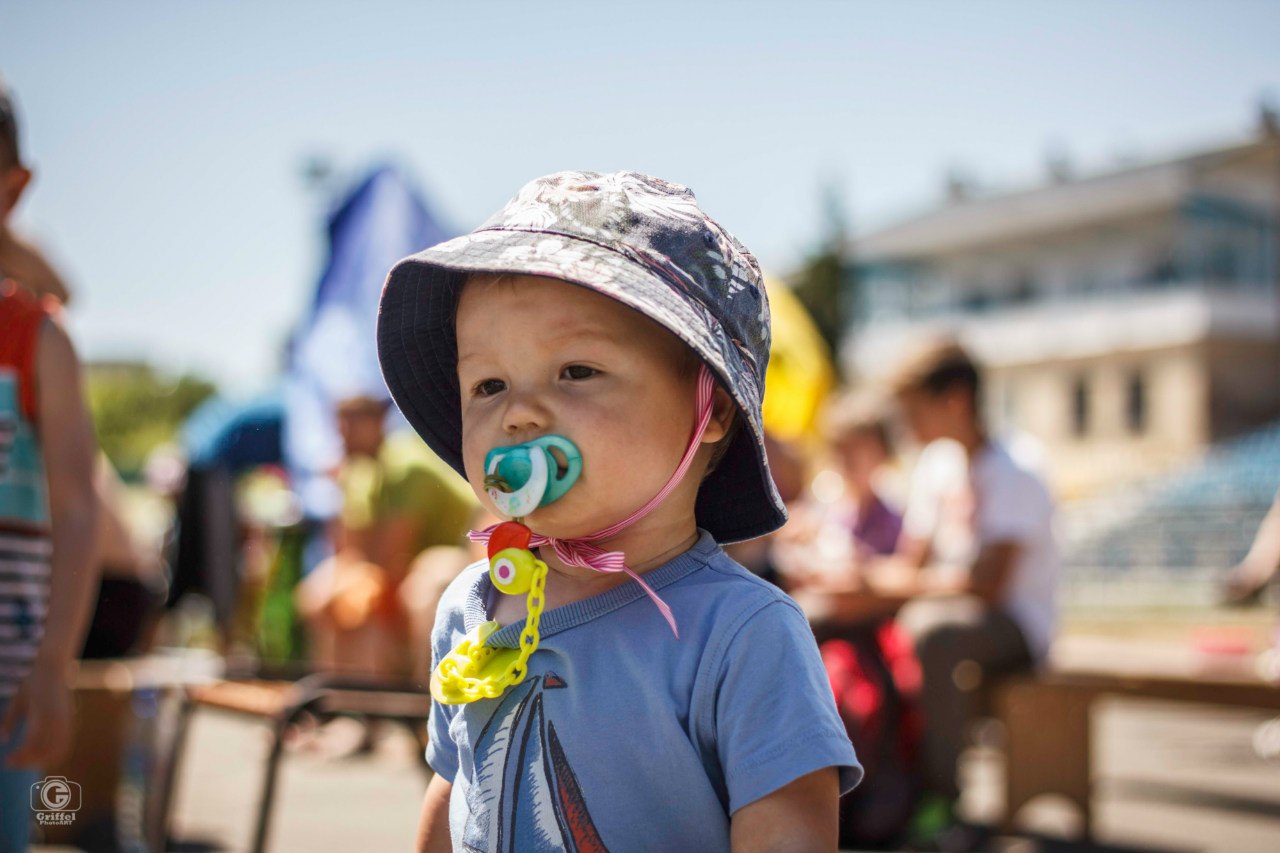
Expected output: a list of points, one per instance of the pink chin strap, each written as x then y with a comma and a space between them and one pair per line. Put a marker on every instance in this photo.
582, 552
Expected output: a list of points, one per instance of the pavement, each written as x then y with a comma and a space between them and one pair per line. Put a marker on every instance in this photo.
1170, 777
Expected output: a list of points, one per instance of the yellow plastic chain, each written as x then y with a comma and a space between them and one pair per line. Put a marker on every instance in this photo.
466, 673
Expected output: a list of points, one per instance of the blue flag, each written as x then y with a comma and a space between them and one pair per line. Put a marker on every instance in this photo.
333, 355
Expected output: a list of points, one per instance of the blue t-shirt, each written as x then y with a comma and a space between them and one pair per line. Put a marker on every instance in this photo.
623, 737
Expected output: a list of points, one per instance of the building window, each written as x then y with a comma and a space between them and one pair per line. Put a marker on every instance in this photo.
1223, 264
1136, 403
1024, 290
975, 301
1079, 407
1161, 272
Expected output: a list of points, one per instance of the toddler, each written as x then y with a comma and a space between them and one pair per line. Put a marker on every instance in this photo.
592, 360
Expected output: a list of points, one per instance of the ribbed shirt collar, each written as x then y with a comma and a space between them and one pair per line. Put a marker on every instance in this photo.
571, 615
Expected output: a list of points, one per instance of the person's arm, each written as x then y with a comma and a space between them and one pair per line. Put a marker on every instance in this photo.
1262, 562
22, 261
987, 578
873, 588
801, 817
392, 545
897, 576
68, 445
912, 551
433, 825
1015, 507
992, 570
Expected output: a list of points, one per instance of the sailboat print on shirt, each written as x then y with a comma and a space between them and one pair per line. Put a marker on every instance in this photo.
525, 796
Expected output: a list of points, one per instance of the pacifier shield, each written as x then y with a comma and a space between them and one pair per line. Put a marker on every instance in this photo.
522, 477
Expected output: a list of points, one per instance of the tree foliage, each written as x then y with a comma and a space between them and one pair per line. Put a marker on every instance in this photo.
819, 282
135, 409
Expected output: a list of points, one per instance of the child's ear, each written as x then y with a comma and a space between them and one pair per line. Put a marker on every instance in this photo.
723, 412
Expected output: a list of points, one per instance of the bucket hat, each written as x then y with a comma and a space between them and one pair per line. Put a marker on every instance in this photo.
640, 240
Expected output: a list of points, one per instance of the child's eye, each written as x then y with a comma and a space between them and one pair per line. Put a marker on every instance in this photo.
578, 371
488, 387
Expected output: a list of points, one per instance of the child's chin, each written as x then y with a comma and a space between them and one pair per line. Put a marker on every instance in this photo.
554, 522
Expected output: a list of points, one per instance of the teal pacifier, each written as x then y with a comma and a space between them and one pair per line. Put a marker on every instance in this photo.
522, 477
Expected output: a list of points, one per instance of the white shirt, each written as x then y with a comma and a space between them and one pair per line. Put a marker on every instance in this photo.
959, 507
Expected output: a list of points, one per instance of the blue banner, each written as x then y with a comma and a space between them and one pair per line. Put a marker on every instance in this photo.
333, 355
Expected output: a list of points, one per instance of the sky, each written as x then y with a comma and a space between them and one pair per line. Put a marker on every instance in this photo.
170, 139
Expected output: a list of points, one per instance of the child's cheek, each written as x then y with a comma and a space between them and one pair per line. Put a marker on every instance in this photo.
473, 460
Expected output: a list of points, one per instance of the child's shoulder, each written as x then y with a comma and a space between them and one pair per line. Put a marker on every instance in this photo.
461, 595
467, 584
729, 595
741, 581
741, 625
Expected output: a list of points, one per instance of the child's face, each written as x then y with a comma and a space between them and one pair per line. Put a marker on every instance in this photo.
539, 356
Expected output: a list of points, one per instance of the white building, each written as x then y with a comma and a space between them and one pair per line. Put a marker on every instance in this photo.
1127, 319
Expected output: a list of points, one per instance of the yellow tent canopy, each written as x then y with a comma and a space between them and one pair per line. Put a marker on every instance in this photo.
800, 373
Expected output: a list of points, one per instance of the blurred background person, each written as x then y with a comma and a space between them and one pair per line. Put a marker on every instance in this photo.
834, 531
48, 518
133, 586
397, 542
19, 260
858, 431
130, 601
976, 567
130, 593
869, 660
400, 507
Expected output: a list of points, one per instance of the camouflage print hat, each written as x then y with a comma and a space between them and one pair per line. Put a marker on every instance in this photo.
639, 240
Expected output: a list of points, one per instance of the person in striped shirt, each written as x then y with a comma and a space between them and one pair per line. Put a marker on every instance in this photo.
48, 519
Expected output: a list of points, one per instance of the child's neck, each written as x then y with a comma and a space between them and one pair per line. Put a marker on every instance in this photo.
648, 544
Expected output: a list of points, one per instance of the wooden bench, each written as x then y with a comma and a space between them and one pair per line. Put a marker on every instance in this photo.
279, 703
1047, 716
193, 680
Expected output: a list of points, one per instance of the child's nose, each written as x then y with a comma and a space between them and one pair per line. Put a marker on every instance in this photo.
525, 414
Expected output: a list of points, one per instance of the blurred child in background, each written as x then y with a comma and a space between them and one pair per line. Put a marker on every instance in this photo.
48, 519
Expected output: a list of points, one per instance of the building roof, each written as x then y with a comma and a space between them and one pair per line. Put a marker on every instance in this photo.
1060, 206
